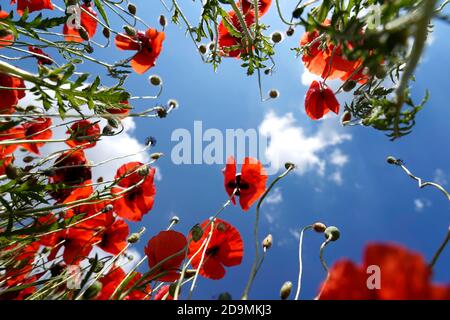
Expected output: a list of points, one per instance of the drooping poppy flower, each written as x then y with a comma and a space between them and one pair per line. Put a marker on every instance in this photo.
231, 45
403, 275
225, 249
113, 279
247, 5
14, 133
41, 56
148, 45
138, 200
32, 5
162, 246
10, 97
320, 100
70, 169
250, 184
83, 133
163, 293
114, 234
87, 22
37, 130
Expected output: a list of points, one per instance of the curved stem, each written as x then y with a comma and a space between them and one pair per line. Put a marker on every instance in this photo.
300, 269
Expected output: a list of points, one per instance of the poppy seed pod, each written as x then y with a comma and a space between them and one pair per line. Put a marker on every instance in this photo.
172, 103
162, 20
132, 9
202, 49
156, 155
332, 233
276, 37
130, 30
155, 80
285, 290
289, 165
133, 238
319, 227
290, 32
273, 94
267, 242
391, 160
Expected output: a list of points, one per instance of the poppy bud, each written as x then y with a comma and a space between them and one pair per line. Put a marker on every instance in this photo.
13, 172
83, 34
349, 86
196, 232
107, 130
100, 180
133, 238
106, 33
113, 123
224, 296
130, 30
285, 290
162, 21
381, 72
108, 208
290, 32
212, 46
276, 37
143, 171
156, 155
267, 242
332, 233
28, 159
155, 80
202, 49
93, 290
298, 12
189, 273
319, 227
97, 264
132, 9
89, 49
289, 165
174, 220
172, 103
267, 71
391, 160
274, 93
346, 117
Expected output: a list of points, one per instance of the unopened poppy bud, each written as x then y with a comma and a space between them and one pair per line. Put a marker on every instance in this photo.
349, 86
289, 165
12, 172
276, 37
172, 103
89, 49
106, 33
196, 232
83, 34
290, 32
108, 130
285, 290
174, 220
202, 49
132, 9
28, 159
156, 155
391, 160
381, 72
267, 71
143, 171
100, 180
133, 238
162, 20
319, 227
267, 242
108, 208
224, 296
114, 123
346, 117
130, 30
298, 12
332, 233
212, 46
93, 290
97, 264
155, 80
274, 93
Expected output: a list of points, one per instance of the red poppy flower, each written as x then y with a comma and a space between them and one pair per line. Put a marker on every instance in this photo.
113, 235
10, 97
250, 183
17, 274
162, 293
15, 133
83, 133
87, 22
229, 42
32, 5
70, 169
148, 45
320, 100
4, 162
40, 56
225, 248
21, 294
162, 246
138, 201
404, 276
37, 130
6, 37
112, 280
263, 7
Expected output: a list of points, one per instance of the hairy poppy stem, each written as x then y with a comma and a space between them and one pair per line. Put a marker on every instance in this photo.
256, 261
300, 260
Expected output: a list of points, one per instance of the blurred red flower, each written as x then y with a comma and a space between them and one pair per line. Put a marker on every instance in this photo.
83, 133
4, 162
250, 184
87, 22
162, 246
227, 41
112, 280
148, 44
320, 100
10, 97
225, 248
38, 129
32, 5
247, 5
404, 275
41, 58
137, 201
162, 293
15, 133
6, 37
113, 234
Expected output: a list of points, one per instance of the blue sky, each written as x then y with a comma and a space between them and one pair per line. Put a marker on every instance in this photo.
371, 201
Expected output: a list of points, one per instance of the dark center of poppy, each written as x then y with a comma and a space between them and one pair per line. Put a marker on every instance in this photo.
213, 251
134, 194
238, 184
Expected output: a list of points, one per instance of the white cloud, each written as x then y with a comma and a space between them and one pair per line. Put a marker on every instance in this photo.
421, 204
440, 177
336, 177
308, 77
295, 233
274, 197
290, 143
338, 158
